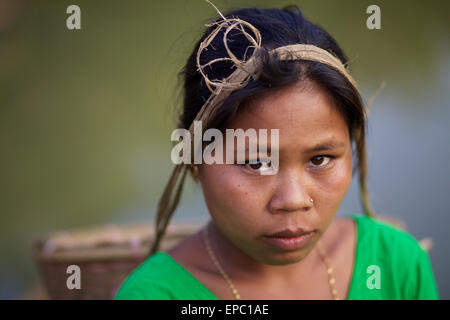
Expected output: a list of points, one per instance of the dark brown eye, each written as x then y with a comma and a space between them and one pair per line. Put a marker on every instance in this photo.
319, 161
260, 165
255, 166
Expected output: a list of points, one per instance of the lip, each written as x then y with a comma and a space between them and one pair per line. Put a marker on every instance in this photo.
289, 240
287, 233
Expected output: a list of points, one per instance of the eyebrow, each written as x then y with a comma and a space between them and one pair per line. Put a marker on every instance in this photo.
325, 146
329, 145
268, 149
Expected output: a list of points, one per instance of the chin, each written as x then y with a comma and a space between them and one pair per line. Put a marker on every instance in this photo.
287, 257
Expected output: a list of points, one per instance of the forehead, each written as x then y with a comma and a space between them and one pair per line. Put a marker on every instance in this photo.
303, 113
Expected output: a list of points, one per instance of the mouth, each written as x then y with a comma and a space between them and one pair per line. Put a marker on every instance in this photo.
290, 239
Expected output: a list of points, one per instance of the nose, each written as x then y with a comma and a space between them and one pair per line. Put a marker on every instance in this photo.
291, 193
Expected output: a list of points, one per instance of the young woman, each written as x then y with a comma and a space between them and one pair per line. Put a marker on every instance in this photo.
277, 236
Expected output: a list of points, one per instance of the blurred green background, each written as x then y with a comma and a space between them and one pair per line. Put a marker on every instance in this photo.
86, 115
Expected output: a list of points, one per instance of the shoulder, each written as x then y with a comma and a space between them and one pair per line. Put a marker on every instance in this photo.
392, 253
384, 236
149, 280
161, 277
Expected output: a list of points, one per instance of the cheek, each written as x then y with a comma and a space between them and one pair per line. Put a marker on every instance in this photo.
335, 184
233, 200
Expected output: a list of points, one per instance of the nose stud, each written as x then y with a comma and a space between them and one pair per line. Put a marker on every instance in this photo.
311, 200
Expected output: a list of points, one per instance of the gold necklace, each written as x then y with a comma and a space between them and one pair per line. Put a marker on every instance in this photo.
222, 272
331, 279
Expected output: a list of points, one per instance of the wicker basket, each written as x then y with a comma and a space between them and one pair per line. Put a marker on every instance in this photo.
105, 255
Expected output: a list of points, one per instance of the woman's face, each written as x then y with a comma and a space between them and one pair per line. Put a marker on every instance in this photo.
247, 206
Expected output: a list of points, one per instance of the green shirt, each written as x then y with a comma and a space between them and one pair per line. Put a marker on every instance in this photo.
389, 264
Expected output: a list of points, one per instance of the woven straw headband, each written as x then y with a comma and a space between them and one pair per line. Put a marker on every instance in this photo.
245, 70
221, 89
